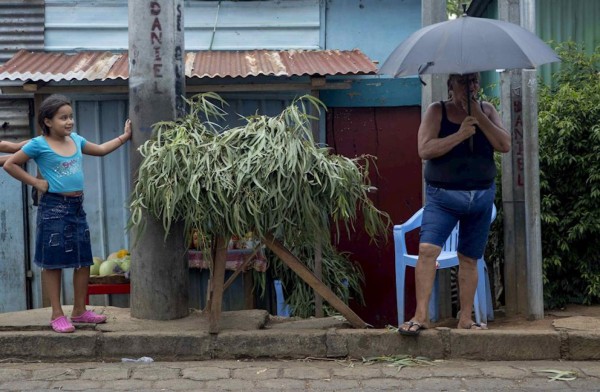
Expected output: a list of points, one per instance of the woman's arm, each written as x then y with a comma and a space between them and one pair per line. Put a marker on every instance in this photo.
109, 146
3, 158
11, 147
430, 144
13, 166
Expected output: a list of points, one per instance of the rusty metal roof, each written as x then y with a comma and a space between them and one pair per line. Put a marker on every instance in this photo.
95, 66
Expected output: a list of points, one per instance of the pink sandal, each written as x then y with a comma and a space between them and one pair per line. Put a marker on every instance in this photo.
62, 325
89, 317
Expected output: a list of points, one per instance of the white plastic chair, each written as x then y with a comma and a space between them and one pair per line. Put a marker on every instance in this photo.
448, 258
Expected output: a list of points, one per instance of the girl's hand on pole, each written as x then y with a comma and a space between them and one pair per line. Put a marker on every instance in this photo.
126, 132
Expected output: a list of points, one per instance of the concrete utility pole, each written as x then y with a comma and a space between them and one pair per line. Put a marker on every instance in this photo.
435, 11
535, 289
159, 269
520, 179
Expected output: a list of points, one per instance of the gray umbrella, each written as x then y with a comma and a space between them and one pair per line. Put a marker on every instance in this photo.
466, 45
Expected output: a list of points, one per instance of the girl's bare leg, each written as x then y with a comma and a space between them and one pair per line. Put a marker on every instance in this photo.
80, 287
52, 285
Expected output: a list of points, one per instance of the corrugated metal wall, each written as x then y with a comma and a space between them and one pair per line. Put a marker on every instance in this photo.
218, 25
106, 178
14, 119
560, 21
568, 20
21, 27
13, 267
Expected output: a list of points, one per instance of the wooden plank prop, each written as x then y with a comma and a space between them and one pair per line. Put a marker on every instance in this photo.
306, 275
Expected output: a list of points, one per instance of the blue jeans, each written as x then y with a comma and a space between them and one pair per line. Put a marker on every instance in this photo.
445, 208
62, 233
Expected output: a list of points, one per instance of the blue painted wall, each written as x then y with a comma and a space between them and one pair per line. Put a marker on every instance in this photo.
376, 27
216, 25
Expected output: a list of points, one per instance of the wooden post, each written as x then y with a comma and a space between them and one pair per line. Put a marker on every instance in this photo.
306, 275
249, 302
217, 283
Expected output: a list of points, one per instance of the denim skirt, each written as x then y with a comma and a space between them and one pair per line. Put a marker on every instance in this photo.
62, 233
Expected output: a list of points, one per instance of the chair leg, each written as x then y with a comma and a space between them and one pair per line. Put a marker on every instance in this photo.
433, 300
400, 282
282, 308
477, 307
488, 297
480, 302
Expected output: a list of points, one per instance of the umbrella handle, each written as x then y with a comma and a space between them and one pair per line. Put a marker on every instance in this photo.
422, 69
469, 113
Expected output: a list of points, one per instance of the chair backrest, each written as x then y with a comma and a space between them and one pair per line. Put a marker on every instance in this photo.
451, 244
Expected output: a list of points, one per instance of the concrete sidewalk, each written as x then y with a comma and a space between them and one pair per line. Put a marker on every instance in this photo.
27, 335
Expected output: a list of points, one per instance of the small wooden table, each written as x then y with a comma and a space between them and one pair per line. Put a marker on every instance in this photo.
110, 284
106, 288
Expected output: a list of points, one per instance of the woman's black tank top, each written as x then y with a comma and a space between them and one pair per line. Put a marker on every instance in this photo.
461, 168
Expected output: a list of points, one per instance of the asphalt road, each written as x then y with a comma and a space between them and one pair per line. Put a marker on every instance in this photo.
302, 375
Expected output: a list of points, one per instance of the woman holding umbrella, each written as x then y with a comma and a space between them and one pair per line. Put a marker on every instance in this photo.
460, 188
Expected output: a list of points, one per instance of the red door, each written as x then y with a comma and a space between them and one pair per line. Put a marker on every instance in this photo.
390, 134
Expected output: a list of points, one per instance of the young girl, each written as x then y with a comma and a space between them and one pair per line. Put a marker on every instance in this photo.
62, 235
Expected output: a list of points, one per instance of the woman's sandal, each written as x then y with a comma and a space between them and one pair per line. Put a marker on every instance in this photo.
62, 325
475, 326
408, 331
89, 317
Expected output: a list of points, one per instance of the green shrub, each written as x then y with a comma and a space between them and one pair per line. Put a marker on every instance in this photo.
569, 145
